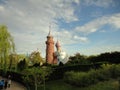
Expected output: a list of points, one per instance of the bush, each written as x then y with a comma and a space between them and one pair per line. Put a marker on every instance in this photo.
93, 76
78, 79
59, 71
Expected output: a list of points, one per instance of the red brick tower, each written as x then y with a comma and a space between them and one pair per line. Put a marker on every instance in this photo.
50, 49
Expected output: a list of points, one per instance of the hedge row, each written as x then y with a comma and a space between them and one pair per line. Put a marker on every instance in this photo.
58, 71
93, 76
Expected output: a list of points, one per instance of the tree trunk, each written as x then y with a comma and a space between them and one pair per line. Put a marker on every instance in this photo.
10, 65
5, 61
35, 83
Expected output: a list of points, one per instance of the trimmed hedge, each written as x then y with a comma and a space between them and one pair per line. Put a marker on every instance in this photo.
93, 76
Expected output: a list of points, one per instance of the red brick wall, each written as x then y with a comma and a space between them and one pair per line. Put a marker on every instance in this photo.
50, 50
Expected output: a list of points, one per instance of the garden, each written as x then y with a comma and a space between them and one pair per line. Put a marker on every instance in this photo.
100, 72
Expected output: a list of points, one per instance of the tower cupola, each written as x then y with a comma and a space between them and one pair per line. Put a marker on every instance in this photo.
58, 46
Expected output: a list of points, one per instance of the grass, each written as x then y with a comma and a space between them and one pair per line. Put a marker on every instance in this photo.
61, 85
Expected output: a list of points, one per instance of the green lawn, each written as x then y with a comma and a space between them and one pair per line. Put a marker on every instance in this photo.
61, 85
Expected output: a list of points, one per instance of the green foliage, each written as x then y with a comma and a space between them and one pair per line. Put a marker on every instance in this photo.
83, 79
78, 59
22, 65
7, 46
35, 57
61, 85
37, 75
13, 59
108, 57
59, 71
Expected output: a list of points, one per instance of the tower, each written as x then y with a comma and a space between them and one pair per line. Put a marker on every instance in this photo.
58, 46
50, 49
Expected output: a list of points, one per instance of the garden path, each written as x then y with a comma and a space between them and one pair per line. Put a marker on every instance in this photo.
15, 86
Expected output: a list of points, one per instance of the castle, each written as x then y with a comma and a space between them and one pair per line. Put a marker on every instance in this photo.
54, 57
50, 54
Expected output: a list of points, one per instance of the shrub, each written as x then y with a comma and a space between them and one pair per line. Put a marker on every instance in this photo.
79, 79
117, 70
93, 76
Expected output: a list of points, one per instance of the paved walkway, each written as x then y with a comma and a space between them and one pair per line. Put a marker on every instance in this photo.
15, 86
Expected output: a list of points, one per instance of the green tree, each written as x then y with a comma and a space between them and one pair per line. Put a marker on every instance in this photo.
22, 65
7, 46
35, 57
38, 75
13, 59
78, 59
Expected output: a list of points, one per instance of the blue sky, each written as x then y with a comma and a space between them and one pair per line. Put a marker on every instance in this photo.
89, 27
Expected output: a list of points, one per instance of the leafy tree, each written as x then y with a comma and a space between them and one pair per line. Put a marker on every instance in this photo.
21, 56
35, 57
13, 61
38, 75
22, 65
7, 46
108, 57
78, 59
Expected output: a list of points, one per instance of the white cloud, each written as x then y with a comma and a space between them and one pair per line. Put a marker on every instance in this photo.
32, 14
96, 24
100, 3
77, 1
95, 50
103, 31
1, 8
64, 36
28, 21
84, 39
115, 20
